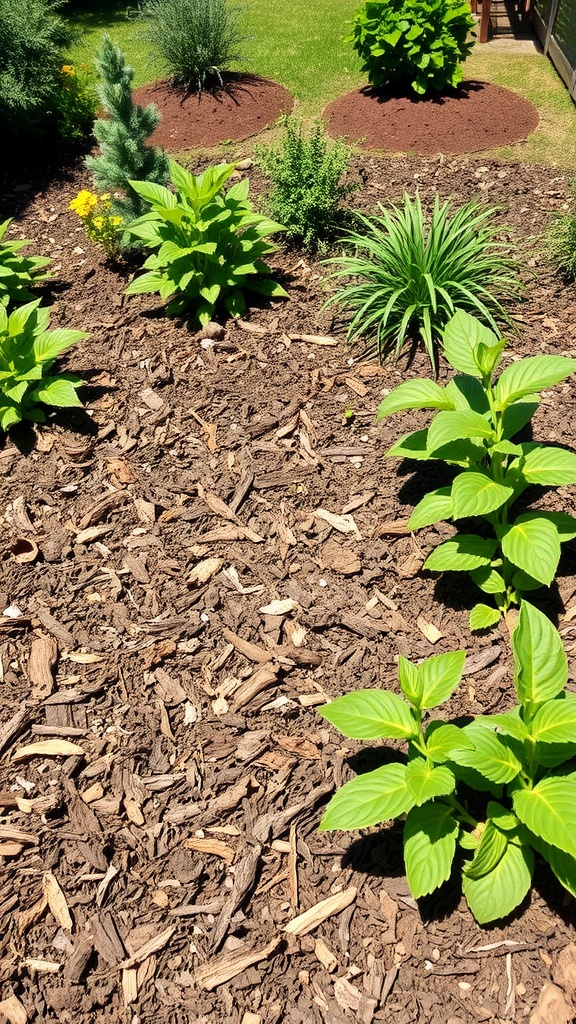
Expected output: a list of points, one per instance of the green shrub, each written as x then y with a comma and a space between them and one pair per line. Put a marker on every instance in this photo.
416, 43
307, 186
408, 277
193, 41
75, 104
124, 154
33, 38
560, 239
473, 430
208, 244
28, 351
517, 763
18, 272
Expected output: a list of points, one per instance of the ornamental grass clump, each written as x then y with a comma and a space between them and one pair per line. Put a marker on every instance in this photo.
413, 44
406, 275
560, 239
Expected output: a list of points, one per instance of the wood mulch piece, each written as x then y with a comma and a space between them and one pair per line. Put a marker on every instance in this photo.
219, 550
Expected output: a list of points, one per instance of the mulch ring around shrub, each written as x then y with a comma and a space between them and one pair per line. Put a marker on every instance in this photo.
475, 117
243, 106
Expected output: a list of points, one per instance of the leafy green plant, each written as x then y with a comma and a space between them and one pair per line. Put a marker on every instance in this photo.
194, 41
124, 153
102, 225
307, 186
513, 766
474, 429
18, 272
416, 43
208, 243
28, 351
33, 38
560, 239
405, 277
75, 104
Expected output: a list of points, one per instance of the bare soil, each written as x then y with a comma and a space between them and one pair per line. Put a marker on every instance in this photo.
180, 832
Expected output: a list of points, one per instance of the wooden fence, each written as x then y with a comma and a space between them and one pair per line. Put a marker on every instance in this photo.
555, 25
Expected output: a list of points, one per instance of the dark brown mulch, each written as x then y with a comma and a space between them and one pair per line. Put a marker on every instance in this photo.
242, 107
181, 833
477, 116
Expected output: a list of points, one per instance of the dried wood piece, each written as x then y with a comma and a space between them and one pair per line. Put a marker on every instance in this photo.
211, 846
244, 883
106, 938
63, 635
340, 559
299, 745
249, 650
82, 818
342, 523
486, 657
136, 568
27, 918
14, 1010
314, 339
41, 664
280, 607
310, 919
229, 964
93, 533
391, 528
103, 505
56, 901
168, 689
77, 962
220, 508
204, 571
260, 680
325, 955
8, 833
17, 724
429, 630
42, 966
47, 748
272, 825
152, 946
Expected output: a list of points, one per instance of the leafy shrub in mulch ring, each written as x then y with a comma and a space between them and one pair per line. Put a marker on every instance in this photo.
560, 239
413, 43
193, 41
407, 275
307, 186
18, 272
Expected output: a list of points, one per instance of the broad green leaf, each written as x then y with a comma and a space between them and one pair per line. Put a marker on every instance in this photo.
548, 811
409, 679
565, 524
438, 677
502, 817
518, 415
531, 375
489, 580
430, 836
414, 394
534, 546
491, 757
475, 494
550, 467
51, 344
460, 339
489, 852
371, 715
555, 721
442, 740
453, 425
562, 864
463, 552
58, 392
552, 755
541, 668
427, 782
522, 582
508, 722
467, 393
410, 446
369, 799
482, 616
157, 195
434, 507
498, 893
267, 286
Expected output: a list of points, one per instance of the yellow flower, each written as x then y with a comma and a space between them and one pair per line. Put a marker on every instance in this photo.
84, 203
105, 197
98, 222
68, 69
116, 221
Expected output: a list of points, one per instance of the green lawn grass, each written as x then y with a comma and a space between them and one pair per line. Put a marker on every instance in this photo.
301, 44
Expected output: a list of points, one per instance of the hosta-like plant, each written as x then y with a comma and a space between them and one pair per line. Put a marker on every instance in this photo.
474, 429
18, 272
517, 762
207, 244
28, 351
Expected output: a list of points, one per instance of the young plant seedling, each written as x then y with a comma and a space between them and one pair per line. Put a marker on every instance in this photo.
474, 429
515, 766
18, 272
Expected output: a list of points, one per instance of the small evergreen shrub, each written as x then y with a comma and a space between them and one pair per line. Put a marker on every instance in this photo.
193, 41
307, 187
560, 239
124, 155
416, 43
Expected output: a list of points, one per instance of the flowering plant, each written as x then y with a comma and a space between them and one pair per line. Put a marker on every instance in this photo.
75, 103
103, 226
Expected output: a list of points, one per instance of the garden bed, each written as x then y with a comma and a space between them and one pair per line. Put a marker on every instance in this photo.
203, 764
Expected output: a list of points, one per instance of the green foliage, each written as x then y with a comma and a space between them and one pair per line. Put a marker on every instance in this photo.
416, 43
193, 41
18, 272
28, 351
75, 105
408, 277
124, 154
560, 239
307, 186
517, 759
33, 38
474, 427
208, 244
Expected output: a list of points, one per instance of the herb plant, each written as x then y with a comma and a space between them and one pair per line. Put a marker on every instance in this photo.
513, 767
474, 429
28, 351
307, 186
560, 239
406, 276
207, 244
18, 272
193, 41
413, 43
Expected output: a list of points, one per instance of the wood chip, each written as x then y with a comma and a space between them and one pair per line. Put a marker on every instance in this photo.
47, 748
392, 528
8, 833
204, 571
429, 630
229, 964
250, 651
340, 559
314, 339
342, 523
92, 533
56, 901
211, 846
310, 919
14, 1011
41, 664
325, 955
282, 607
152, 946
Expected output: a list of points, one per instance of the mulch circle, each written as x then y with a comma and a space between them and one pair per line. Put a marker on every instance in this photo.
242, 107
475, 117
